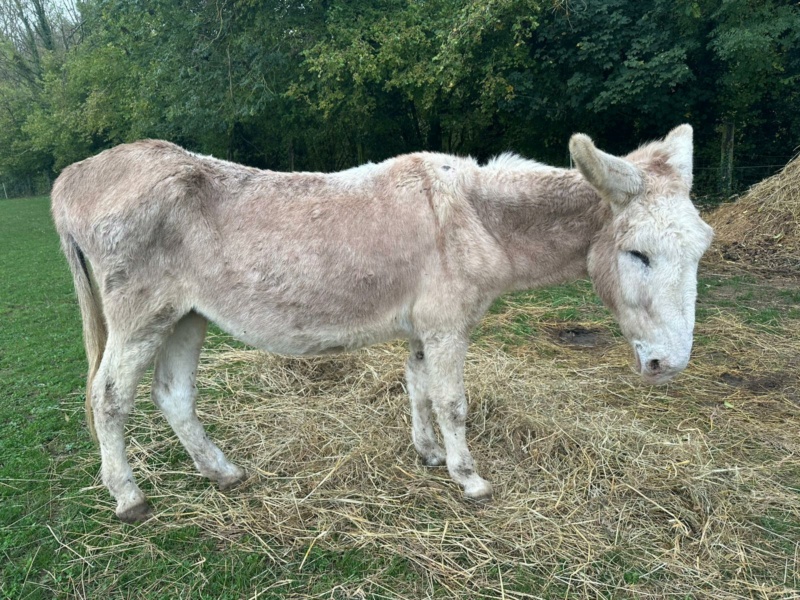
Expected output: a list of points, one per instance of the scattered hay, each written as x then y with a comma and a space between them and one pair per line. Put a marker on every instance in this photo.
762, 228
604, 487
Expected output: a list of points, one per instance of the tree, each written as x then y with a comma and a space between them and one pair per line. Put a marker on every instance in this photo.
34, 34
326, 84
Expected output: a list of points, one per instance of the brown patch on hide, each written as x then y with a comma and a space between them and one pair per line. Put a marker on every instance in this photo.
659, 166
114, 280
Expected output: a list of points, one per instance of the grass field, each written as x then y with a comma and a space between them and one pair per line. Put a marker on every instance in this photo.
605, 488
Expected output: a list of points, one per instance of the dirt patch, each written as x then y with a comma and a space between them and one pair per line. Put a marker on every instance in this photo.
760, 252
758, 384
581, 337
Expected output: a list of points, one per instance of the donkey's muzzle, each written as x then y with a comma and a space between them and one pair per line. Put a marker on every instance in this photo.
654, 368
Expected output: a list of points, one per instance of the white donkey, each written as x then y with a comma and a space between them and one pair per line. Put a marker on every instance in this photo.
161, 240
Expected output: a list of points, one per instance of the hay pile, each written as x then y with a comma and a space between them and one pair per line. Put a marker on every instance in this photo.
762, 228
603, 487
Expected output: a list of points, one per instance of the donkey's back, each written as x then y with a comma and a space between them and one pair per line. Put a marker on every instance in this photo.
295, 263
161, 240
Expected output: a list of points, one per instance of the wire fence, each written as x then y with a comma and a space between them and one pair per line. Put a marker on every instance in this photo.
38, 184
708, 180
747, 170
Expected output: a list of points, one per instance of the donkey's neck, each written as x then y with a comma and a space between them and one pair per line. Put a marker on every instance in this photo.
544, 218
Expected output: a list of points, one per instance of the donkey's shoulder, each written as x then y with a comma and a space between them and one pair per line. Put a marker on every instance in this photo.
444, 178
441, 173
438, 164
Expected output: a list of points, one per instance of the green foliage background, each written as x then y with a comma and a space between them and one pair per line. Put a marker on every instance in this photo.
326, 84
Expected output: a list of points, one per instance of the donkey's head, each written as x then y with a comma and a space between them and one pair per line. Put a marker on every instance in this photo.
643, 263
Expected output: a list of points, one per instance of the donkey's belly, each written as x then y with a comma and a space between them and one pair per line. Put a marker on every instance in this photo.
309, 332
310, 298
325, 341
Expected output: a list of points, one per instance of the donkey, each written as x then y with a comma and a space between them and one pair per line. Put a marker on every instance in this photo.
160, 241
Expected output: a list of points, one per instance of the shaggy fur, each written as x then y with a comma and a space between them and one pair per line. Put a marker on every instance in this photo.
308, 263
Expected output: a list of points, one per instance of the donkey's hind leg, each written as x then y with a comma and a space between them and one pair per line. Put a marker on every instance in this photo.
174, 392
422, 431
124, 361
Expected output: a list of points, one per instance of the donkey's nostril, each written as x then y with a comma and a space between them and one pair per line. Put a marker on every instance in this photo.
654, 366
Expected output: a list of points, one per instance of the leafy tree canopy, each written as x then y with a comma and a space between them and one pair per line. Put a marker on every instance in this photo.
326, 84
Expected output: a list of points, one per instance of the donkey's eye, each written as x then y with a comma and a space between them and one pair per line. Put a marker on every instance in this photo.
640, 256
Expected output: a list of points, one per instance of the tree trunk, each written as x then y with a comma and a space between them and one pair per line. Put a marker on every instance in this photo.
434, 141
359, 152
726, 160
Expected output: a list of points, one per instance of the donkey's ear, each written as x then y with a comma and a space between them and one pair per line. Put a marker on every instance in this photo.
615, 178
679, 147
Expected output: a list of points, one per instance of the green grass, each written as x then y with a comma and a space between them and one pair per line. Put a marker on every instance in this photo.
563, 302
560, 306
766, 308
41, 365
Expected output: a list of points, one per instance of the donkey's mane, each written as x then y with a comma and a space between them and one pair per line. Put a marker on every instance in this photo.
514, 162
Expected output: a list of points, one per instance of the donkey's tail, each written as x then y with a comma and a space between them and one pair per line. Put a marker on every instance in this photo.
94, 326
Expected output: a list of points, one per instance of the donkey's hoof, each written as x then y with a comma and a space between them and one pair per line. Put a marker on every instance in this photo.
234, 480
138, 513
480, 491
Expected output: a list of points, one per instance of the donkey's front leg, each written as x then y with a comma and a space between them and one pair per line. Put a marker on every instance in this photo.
445, 357
421, 414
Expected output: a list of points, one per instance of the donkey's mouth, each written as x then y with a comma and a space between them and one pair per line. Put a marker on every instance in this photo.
659, 379
653, 371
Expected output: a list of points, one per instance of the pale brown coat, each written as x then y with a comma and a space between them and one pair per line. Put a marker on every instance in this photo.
161, 240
